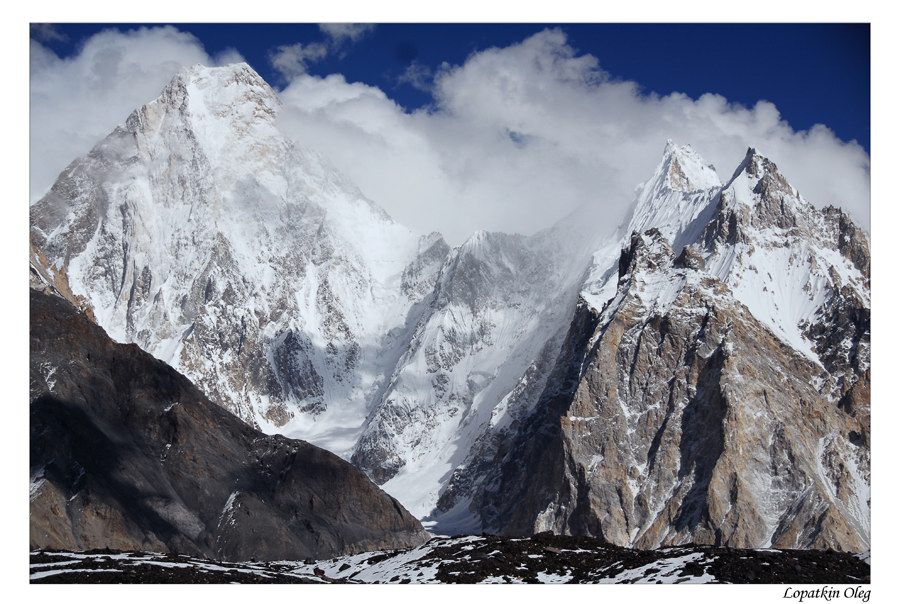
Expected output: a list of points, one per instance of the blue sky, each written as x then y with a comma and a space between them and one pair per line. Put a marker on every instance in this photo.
813, 73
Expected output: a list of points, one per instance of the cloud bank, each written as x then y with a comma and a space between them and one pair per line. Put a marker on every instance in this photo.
518, 137
515, 138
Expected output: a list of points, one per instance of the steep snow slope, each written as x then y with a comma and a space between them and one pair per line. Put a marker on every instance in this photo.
676, 198
476, 361
197, 231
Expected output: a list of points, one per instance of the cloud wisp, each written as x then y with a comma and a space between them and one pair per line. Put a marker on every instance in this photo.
346, 33
47, 33
418, 76
291, 60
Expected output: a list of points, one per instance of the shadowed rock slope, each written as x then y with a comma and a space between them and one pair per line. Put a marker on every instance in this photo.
127, 454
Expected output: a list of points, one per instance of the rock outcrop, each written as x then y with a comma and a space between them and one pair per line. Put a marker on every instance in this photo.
127, 454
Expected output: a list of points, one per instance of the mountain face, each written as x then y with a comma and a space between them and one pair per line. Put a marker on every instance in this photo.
708, 399
702, 376
127, 454
476, 361
198, 232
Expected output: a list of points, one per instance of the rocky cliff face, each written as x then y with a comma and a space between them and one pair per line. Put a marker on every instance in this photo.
127, 454
704, 401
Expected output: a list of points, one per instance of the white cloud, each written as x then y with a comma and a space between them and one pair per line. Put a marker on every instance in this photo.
341, 33
227, 57
291, 60
516, 137
418, 76
520, 136
77, 101
47, 32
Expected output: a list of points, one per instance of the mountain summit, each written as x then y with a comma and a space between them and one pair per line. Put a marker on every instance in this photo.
200, 233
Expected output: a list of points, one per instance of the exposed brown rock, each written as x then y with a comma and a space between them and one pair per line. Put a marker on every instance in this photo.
688, 424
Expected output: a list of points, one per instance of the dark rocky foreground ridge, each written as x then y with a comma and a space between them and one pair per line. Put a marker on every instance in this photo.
127, 454
543, 558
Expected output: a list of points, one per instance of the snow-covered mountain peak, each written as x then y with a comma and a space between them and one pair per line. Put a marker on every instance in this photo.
213, 99
762, 315
217, 118
486, 245
678, 201
477, 239
674, 198
224, 88
683, 169
757, 176
246, 261
221, 121
778, 254
787, 261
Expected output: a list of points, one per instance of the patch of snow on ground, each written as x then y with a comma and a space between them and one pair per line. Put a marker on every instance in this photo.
59, 571
553, 578
664, 570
